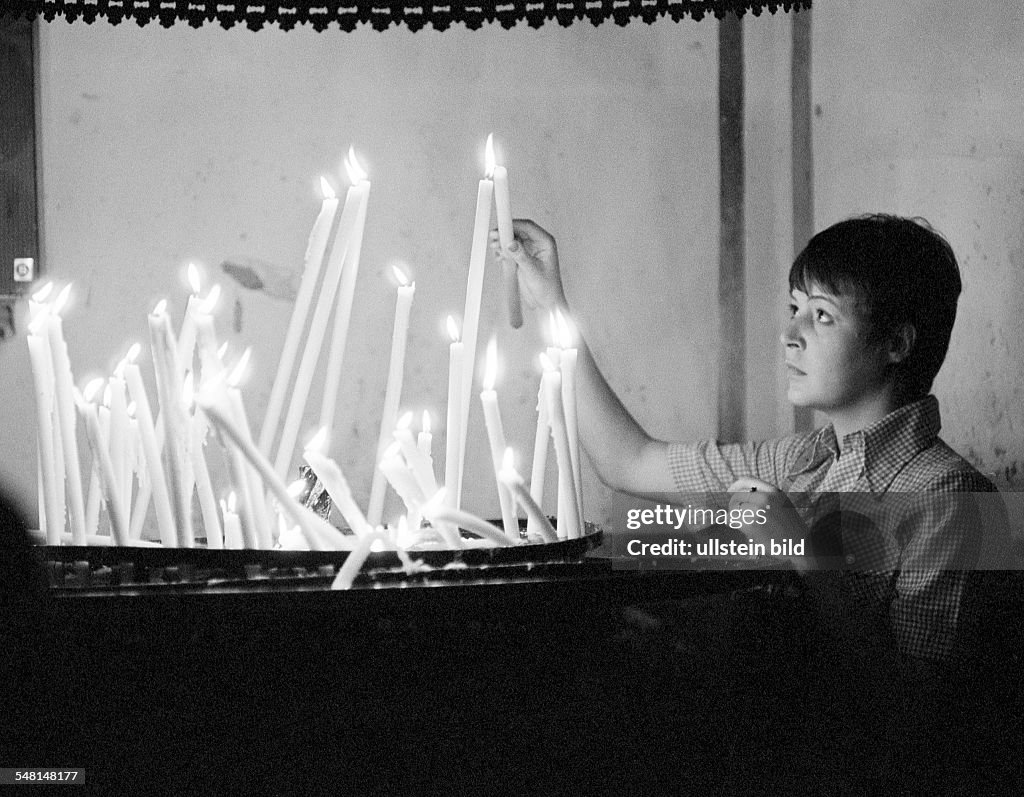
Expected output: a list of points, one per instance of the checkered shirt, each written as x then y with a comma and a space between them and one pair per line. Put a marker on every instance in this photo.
912, 519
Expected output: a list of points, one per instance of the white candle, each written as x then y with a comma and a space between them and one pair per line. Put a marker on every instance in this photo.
471, 317
168, 373
116, 400
453, 448
346, 292
319, 237
260, 513
157, 482
496, 438
108, 479
393, 391
568, 525
65, 414
425, 440
419, 462
510, 477
204, 486
538, 470
299, 388
232, 524
354, 561
503, 210
399, 475
330, 474
567, 367
50, 518
186, 343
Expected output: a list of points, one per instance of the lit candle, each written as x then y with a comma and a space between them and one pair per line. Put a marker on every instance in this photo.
510, 477
204, 487
393, 391
496, 438
503, 210
186, 343
399, 475
232, 525
329, 472
346, 292
299, 389
172, 413
157, 481
108, 479
540, 457
471, 317
568, 525
418, 462
65, 414
319, 237
290, 538
567, 367
50, 517
452, 448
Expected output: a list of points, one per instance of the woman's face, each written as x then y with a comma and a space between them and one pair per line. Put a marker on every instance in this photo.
831, 366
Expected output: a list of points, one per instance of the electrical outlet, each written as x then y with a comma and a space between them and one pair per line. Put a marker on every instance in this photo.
24, 269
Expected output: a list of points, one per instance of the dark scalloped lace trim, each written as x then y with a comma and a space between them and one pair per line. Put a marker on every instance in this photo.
382, 15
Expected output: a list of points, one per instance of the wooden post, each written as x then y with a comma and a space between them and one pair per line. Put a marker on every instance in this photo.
802, 158
731, 294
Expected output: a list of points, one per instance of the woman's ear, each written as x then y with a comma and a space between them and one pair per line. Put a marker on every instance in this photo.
902, 343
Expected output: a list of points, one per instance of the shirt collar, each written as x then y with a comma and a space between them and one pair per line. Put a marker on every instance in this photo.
886, 445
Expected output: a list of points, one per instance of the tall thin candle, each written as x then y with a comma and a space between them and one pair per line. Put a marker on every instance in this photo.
319, 237
471, 317
496, 438
393, 391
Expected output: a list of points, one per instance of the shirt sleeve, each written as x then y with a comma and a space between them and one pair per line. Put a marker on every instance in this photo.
710, 467
946, 531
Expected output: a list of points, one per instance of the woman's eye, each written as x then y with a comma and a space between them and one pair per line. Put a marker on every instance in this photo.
822, 316
792, 310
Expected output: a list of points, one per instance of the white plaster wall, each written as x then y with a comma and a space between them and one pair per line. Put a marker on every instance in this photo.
161, 147
921, 105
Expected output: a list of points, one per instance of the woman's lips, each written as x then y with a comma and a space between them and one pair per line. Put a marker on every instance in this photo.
794, 370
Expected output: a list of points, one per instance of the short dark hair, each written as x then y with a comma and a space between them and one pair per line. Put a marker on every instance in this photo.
898, 270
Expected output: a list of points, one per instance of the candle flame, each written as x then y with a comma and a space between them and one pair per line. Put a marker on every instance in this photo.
238, 372
545, 362
404, 422
210, 302
131, 410
400, 276
91, 389
188, 389
491, 365
425, 422
563, 330
318, 442
161, 307
296, 488
133, 352
489, 162
453, 330
508, 461
62, 298
232, 501
325, 188
193, 279
356, 173
43, 293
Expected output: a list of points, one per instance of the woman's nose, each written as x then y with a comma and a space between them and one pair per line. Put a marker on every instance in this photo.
792, 333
